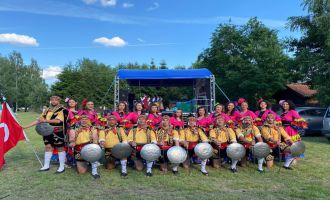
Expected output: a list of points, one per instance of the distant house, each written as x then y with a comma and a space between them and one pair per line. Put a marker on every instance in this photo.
300, 94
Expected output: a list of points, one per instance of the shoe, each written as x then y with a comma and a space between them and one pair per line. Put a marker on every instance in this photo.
123, 174
96, 176
175, 172
234, 170
288, 168
149, 174
261, 171
205, 173
43, 170
60, 172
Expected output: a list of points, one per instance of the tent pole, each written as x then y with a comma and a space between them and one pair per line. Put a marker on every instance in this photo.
224, 94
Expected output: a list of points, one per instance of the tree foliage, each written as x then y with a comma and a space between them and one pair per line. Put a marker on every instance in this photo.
248, 60
21, 83
312, 51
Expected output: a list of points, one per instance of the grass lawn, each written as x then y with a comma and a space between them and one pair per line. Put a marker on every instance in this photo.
20, 178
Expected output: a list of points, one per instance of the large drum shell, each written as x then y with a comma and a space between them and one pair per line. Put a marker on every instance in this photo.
203, 150
121, 150
44, 129
297, 148
150, 152
176, 155
91, 152
235, 151
260, 150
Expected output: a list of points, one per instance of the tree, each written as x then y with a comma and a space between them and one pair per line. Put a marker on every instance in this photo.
312, 51
152, 64
248, 60
163, 65
86, 79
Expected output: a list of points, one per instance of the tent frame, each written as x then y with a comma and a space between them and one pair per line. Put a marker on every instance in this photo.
211, 89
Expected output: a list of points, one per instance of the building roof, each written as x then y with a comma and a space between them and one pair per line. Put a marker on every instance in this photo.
302, 89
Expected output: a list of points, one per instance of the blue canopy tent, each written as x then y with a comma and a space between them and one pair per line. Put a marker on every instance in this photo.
202, 81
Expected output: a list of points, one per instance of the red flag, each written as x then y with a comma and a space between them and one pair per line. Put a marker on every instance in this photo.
10, 132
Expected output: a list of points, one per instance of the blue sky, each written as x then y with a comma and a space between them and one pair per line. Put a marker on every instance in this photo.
56, 32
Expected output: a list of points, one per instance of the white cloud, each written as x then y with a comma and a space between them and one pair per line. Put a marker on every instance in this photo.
89, 1
14, 38
113, 42
140, 40
154, 6
128, 5
106, 3
51, 72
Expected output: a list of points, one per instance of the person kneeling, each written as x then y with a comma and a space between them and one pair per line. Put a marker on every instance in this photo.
108, 138
80, 137
137, 138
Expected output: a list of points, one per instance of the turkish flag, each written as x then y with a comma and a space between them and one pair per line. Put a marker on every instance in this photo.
10, 132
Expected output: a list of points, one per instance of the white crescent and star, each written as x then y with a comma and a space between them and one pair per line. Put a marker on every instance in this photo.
3, 125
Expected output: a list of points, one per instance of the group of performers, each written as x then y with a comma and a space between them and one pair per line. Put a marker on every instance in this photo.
73, 129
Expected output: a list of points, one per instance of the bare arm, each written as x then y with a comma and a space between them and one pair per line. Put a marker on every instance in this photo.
31, 124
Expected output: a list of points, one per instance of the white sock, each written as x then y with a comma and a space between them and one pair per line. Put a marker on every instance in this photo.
123, 166
233, 164
94, 168
203, 164
175, 168
61, 158
260, 163
288, 160
48, 156
149, 166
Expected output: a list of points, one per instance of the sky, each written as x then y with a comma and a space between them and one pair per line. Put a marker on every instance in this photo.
59, 32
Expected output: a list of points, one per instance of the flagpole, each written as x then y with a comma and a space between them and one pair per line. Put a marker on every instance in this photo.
33, 149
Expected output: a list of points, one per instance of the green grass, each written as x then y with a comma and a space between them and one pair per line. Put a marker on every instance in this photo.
20, 178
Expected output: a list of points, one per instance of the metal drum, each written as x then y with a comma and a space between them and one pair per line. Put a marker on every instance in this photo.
44, 129
176, 155
91, 152
150, 152
236, 151
260, 150
297, 148
203, 150
121, 150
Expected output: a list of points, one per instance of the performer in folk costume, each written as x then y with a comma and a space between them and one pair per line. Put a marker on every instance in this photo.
277, 139
221, 137
108, 138
165, 140
138, 110
122, 112
79, 137
55, 117
138, 137
264, 109
88, 109
203, 121
71, 113
71, 122
154, 117
219, 109
232, 113
192, 136
145, 100
247, 134
177, 121
245, 109
292, 122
